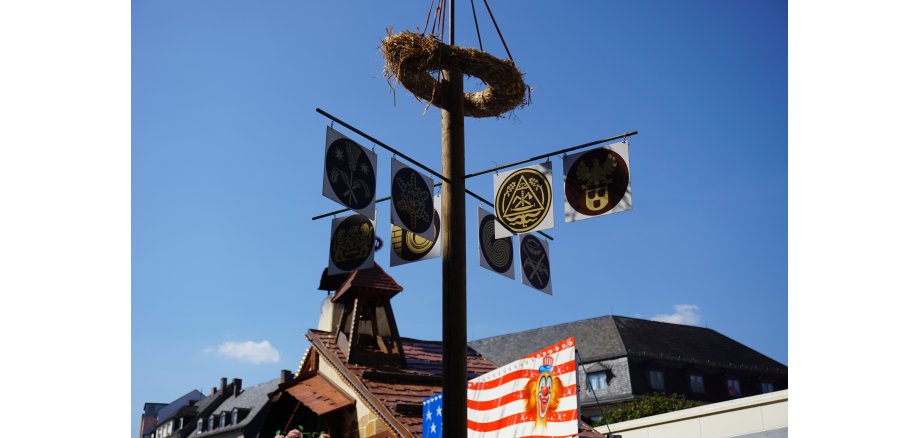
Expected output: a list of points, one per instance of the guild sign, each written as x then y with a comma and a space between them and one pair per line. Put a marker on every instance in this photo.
535, 264
350, 173
494, 254
524, 199
407, 247
597, 182
352, 244
412, 207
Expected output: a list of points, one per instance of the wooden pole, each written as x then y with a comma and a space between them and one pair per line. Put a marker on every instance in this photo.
453, 258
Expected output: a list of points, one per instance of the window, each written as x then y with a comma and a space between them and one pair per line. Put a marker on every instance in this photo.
656, 380
734, 387
234, 416
223, 419
696, 384
211, 423
181, 422
200, 425
597, 380
766, 387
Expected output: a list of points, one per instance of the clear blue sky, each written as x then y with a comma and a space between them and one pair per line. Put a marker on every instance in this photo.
226, 170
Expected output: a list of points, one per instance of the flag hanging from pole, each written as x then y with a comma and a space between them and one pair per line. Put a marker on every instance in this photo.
524, 199
535, 271
408, 247
412, 205
351, 247
349, 173
496, 255
597, 182
536, 396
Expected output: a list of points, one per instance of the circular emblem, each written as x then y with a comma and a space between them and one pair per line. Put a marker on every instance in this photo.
498, 252
412, 200
523, 200
352, 242
410, 246
534, 262
350, 174
596, 182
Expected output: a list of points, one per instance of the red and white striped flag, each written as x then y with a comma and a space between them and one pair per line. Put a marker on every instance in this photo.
536, 396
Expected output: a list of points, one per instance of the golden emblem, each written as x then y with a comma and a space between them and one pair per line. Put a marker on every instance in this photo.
523, 200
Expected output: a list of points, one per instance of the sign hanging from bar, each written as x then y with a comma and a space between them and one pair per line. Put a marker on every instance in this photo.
536, 396
408, 247
496, 255
351, 247
350, 173
535, 270
412, 206
524, 199
597, 182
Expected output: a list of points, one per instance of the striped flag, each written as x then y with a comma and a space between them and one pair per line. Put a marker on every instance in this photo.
535, 396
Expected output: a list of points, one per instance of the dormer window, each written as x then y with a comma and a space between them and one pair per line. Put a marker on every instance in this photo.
211, 423
200, 425
181, 422
223, 419
234, 416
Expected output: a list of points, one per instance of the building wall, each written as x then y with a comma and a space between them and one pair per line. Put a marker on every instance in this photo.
369, 423
761, 416
619, 385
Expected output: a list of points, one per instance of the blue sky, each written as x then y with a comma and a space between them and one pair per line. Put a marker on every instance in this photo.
226, 173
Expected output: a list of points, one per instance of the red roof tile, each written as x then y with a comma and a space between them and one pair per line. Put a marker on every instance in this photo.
392, 384
370, 279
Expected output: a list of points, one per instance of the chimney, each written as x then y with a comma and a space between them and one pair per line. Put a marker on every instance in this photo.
286, 376
237, 386
213, 390
223, 386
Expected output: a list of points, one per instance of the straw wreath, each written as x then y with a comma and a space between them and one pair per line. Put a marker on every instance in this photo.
411, 57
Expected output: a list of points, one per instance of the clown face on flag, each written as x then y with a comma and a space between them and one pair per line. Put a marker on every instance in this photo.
536, 396
597, 182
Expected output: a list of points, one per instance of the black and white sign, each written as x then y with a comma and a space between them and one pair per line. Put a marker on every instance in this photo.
494, 254
412, 206
351, 246
597, 182
408, 247
535, 270
349, 173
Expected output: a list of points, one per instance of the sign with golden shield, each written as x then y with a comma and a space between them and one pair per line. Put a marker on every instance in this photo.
349, 173
351, 247
412, 206
524, 199
408, 247
597, 182
495, 254
535, 263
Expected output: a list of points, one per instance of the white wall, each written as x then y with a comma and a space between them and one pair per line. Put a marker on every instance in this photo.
759, 416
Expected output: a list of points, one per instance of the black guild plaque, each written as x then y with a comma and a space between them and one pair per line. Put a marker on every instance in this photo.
412, 200
350, 174
523, 200
410, 246
534, 262
596, 182
352, 243
498, 253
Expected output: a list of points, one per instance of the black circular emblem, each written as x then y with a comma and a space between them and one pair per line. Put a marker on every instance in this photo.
523, 200
350, 174
412, 200
596, 182
534, 262
410, 246
499, 253
352, 242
